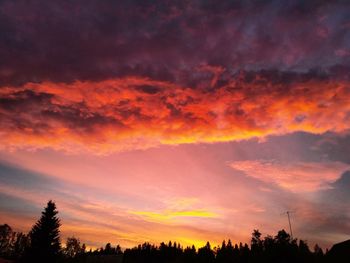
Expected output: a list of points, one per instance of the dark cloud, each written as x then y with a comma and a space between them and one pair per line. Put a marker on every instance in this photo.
12, 175
329, 215
79, 119
334, 146
339, 193
165, 40
17, 206
148, 89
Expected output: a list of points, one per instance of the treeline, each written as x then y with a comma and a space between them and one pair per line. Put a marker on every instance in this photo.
42, 244
280, 248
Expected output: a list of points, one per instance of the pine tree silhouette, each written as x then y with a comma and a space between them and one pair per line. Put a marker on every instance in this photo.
45, 237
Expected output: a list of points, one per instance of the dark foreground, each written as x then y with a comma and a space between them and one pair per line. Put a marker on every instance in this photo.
43, 244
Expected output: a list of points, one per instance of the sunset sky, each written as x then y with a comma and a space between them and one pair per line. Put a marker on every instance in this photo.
176, 120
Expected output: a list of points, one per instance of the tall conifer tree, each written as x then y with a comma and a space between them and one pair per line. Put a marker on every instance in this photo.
45, 236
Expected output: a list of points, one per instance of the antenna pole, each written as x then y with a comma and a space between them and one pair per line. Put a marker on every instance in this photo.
290, 225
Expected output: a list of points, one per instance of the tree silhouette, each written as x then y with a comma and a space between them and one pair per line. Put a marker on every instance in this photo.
73, 247
45, 237
6, 236
256, 246
318, 253
12, 244
20, 245
206, 254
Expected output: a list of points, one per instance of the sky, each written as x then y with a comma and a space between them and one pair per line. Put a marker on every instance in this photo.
190, 121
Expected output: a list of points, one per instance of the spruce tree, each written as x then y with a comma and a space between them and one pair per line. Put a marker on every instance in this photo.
45, 237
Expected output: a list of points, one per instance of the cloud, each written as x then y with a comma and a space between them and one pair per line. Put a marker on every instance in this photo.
94, 40
138, 113
99, 211
166, 216
99, 216
324, 218
105, 76
179, 210
293, 176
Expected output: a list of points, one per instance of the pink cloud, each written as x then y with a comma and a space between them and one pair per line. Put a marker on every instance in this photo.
294, 176
342, 52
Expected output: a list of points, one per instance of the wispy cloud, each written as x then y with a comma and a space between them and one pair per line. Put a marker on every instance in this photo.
169, 215
293, 176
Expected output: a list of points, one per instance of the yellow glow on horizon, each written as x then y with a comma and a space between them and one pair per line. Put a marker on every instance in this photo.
196, 242
168, 215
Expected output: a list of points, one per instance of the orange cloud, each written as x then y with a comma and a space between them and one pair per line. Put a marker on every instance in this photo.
138, 113
296, 177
